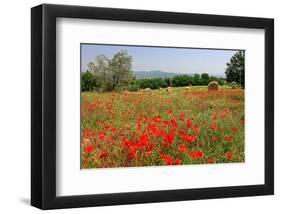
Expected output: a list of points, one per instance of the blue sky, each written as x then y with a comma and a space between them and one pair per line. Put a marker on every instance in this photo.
175, 60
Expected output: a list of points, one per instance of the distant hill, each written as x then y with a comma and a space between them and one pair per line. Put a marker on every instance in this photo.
162, 74
153, 74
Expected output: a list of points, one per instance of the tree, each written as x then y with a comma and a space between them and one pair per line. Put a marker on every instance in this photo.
168, 81
154, 83
99, 69
114, 72
205, 78
88, 81
120, 69
196, 80
235, 70
181, 80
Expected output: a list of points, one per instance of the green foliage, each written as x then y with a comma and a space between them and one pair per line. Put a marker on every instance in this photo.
205, 78
181, 80
120, 69
168, 81
211, 140
220, 81
196, 80
177, 81
134, 86
116, 74
235, 70
88, 81
112, 73
152, 83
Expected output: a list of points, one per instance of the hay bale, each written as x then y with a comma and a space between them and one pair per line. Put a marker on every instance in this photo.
169, 90
234, 85
187, 88
147, 90
213, 86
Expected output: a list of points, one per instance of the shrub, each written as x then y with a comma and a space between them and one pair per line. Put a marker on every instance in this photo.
88, 81
152, 83
133, 87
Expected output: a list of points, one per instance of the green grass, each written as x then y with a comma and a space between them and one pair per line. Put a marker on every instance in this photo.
120, 129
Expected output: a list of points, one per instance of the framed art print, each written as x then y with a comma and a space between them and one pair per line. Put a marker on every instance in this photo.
134, 106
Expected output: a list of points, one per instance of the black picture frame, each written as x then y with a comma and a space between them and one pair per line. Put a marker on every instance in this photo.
43, 106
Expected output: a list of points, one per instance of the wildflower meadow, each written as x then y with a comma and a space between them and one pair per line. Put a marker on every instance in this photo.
160, 128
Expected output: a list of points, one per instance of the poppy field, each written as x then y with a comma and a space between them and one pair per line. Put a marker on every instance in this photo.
159, 128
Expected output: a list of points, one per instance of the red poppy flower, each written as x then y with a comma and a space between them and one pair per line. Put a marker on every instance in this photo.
174, 123
215, 138
213, 126
229, 138
114, 129
199, 154
167, 158
91, 108
195, 155
188, 123
196, 131
235, 130
182, 148
169, 162
182, 116
192, 154
103, 155
148, 152
177, 161
229, 155
85, 104
132, 155
89, 148
181, 131
88, 133
156, 119
102, 137
170, 111
106, 127
190, 139
210, 160
169, 138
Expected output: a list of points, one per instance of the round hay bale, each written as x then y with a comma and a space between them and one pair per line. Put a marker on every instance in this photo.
147, 90
213, 86
169, 89
187, 88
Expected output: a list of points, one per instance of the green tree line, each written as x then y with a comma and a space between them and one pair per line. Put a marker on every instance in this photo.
90, 83
116, 74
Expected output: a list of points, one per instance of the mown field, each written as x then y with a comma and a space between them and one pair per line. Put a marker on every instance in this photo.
162, 128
